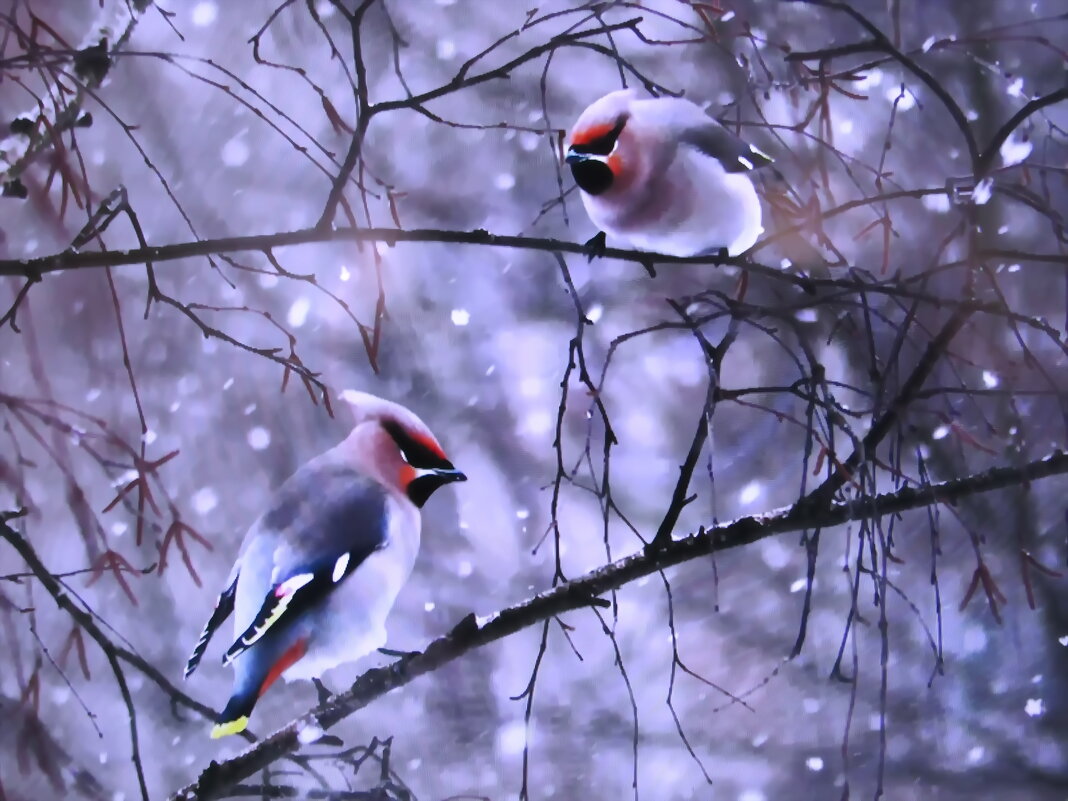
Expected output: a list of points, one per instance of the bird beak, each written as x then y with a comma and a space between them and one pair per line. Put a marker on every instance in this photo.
450, 475
574, 158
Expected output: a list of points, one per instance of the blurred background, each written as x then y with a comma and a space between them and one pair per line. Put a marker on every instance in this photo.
232, 119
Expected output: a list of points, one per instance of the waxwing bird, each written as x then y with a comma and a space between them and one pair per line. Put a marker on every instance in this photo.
662, 176
319, 571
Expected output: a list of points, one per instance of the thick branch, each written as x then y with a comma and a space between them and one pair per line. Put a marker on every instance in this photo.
474, 632
73, 260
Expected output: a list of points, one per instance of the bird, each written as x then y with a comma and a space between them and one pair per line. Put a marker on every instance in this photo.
664, 177
319, 570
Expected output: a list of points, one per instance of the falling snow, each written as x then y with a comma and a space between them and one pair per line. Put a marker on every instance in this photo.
938, 203
775, 553
538, 422
298, 312
259, 438
204, 500
446, 49
460, 317
1015, 150
309, 733
235, 152
512, 738
204, 14
983, 192
751, 493
1034, 707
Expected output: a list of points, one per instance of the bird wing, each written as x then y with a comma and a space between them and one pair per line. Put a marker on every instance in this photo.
224, 606
695, 128
327, 520
736, 155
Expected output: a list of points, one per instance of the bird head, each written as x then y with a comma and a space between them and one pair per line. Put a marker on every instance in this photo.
394, 444
600, 150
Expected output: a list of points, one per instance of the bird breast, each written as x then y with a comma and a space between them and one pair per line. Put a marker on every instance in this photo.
690, 206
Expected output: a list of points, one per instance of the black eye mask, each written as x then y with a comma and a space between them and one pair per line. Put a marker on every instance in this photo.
415, 452
603, 145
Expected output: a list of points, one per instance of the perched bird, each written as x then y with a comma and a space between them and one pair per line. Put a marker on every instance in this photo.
318, 573
663, 176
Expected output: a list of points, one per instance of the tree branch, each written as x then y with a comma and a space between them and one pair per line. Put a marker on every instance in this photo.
880, 43
73, 260
986, 160
473, 632
22, 150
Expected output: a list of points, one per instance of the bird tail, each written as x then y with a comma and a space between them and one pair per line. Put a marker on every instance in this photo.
253, 678
234, 718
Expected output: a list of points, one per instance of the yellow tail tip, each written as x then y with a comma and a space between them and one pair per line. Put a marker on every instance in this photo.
228, 728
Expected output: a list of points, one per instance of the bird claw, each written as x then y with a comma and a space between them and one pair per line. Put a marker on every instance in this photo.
595, 246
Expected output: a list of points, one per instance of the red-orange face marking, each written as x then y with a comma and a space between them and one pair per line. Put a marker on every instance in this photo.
584, 136
292, 655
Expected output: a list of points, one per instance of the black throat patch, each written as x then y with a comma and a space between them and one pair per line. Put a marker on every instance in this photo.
593, 177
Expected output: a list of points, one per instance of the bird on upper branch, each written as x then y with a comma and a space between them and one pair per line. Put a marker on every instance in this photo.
662, 176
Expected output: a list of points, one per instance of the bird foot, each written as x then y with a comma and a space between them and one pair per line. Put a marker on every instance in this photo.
595, 246
323, 693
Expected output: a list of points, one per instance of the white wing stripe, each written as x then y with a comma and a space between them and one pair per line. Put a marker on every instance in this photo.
339, 567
